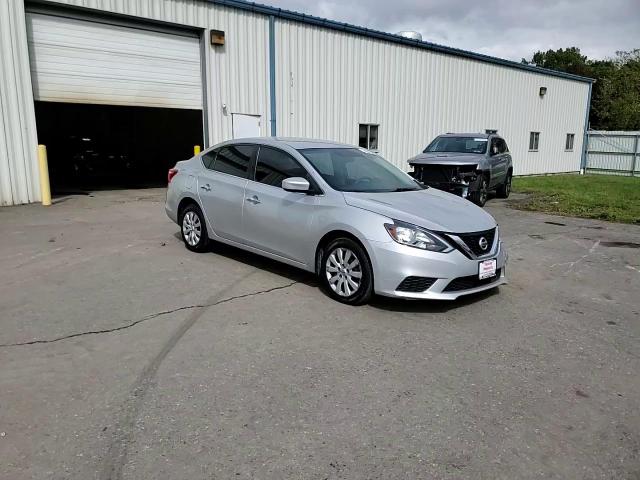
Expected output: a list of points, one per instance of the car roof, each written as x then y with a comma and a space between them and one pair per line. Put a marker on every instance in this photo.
296, 143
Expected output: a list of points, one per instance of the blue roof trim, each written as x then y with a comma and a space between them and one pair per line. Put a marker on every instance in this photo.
367, 32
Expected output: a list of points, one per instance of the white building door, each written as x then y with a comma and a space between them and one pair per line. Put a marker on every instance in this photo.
245, 126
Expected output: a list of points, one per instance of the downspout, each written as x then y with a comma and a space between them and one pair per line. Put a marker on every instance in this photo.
272, 72
585, 137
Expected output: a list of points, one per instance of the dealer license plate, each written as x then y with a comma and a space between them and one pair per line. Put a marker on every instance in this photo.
487, 269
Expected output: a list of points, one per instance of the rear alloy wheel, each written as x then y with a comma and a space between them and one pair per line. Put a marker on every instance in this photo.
505, 189
479, 197
194, 230
346, 272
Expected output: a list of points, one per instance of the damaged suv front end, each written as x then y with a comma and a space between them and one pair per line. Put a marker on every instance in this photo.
458, 178
469, 165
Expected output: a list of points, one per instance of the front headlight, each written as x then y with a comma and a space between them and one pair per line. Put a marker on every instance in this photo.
414, 236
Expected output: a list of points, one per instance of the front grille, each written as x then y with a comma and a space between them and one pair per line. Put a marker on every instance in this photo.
472, 241
436, 174
467, 283
415, 284
442, 174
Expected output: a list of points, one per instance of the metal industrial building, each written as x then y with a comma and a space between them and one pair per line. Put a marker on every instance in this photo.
154, 77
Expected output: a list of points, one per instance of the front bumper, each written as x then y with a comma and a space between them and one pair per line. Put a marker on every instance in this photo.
392, 263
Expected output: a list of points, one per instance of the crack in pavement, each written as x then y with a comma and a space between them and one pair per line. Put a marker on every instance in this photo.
144, 319
123, 434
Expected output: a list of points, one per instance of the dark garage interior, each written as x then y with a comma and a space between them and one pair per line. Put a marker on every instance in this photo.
101, 147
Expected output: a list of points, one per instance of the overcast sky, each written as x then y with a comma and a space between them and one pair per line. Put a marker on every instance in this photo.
502, 28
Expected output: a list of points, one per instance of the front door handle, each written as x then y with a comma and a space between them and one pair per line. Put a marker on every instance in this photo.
206, 187
253, 199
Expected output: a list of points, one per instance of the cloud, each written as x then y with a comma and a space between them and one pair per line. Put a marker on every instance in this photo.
503, 28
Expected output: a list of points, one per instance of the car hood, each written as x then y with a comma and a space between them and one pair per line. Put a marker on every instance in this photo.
445, 159
430, 208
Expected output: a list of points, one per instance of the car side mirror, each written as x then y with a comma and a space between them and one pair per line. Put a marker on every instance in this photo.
296, 184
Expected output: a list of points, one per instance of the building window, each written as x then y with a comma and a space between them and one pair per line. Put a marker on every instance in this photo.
534, 140
568, 146
368, 136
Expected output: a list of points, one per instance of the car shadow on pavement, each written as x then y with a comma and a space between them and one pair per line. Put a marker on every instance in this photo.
260, 262
378, 302
429, 306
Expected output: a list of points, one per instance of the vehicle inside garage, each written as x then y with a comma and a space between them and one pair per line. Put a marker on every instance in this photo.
92, 147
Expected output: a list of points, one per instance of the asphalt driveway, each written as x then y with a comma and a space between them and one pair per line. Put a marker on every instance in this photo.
123, 355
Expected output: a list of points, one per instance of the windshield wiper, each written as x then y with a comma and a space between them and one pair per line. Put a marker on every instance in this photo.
405, 189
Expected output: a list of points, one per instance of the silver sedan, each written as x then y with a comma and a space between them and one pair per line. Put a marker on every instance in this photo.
342, 212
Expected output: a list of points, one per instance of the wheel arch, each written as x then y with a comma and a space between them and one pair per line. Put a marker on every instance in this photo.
332, 235
184, 203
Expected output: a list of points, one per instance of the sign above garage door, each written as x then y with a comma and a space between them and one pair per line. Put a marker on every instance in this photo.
82, 61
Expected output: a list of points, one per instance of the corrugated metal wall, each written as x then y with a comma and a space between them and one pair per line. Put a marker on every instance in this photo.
19, 177
613, 152
328, 82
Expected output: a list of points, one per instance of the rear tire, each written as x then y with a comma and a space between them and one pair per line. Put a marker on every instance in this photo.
193, 229
504, 190
345, 272
479, 197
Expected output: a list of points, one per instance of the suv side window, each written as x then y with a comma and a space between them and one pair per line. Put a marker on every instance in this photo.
235, 159
208, 158
502, 146
274, 166
495, 147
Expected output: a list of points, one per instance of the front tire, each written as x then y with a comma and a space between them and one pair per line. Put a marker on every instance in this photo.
194, 229
504, 190
345, 272
479, 197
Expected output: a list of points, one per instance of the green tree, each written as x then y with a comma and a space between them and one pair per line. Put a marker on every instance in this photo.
615, 100
568, 60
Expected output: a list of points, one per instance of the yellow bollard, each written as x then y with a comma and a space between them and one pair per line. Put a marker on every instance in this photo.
45, 188
196, 149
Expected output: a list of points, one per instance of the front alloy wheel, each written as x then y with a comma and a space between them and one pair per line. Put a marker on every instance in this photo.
481, 195
505, 189
345, 272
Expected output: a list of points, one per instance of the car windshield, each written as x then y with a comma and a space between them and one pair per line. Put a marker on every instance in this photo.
458, 145
358, 170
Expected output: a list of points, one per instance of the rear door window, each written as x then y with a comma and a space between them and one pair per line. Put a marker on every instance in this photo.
208, 158
235, 160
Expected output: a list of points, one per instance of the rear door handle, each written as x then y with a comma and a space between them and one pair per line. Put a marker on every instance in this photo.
253, 199
206, 187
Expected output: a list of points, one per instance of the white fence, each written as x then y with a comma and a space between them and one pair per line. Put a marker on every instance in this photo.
613, 153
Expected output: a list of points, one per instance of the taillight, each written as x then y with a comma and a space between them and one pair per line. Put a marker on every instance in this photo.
172, 173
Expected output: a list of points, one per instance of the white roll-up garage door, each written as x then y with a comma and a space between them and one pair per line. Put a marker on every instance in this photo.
80, 61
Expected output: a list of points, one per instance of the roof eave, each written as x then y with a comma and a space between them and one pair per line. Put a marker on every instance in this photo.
367, 32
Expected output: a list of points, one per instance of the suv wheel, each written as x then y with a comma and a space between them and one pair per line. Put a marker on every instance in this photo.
345, 272
505, 189
479, 197
194, 229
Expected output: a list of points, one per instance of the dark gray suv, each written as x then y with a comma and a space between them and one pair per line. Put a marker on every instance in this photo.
467, 164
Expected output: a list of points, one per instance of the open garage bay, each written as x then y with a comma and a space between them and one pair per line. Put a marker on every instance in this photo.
95, 147
126, 356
